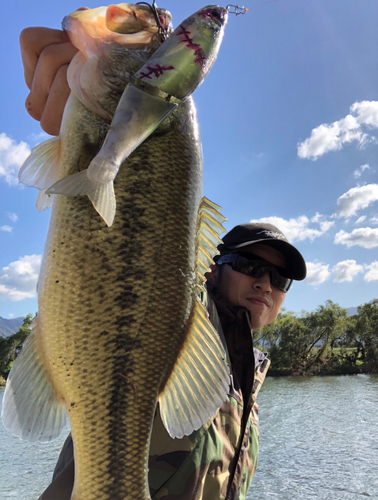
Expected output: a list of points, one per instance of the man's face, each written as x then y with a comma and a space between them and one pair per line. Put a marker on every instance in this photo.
262, 300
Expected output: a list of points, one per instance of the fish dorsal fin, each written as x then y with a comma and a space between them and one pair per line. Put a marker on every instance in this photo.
200, 378
40, 169
209, 229
30, 409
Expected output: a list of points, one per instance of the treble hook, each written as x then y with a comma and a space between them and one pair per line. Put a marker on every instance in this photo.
162, 31
237, 10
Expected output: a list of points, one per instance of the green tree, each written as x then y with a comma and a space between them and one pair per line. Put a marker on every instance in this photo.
286, 340
328, 326
297, 345
10, 346
364, 334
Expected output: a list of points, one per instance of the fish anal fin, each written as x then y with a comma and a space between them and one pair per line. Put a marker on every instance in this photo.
199, 381
40, 169
30, 408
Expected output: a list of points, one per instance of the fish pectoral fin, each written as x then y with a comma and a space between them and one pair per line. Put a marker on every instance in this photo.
199, 382
30, 408
101, 194
44, 201
40, 169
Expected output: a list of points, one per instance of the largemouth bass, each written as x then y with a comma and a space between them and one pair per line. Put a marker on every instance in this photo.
120, 329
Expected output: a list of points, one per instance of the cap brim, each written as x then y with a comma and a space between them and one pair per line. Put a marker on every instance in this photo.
295, 261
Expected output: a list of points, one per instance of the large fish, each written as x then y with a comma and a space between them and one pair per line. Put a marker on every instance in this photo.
120, 328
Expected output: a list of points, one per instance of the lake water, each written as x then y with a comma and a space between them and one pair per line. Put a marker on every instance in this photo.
318, 440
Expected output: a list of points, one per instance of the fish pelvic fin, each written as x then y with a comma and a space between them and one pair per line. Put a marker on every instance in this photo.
101, 194
40, 169
44, 201
30, 408
199, 382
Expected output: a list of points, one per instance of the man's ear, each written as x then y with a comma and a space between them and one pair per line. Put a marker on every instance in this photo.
211, 276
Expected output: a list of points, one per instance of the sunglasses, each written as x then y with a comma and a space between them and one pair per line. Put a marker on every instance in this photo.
254, 266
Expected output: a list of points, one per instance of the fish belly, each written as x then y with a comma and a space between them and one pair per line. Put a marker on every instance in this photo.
114, 306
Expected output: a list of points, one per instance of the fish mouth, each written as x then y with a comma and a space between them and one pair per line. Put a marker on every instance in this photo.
123, 23
128, 19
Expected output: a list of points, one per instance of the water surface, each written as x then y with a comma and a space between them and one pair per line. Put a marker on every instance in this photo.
318, 440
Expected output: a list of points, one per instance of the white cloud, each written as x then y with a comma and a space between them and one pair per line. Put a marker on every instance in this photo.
363, 237
333, 136
317, 273
372, 274
346, 270
6, 229
373, 220
357, 173
325, 225
10, 315
297, 229
356, 199
367, 113
12, 216
317, 217
18, 280
12, 156
361, 219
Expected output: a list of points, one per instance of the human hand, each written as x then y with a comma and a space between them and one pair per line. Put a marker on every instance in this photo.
46, 54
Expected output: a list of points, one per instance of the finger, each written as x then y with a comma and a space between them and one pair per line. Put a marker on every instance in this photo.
51, 59
32, 42
52, 115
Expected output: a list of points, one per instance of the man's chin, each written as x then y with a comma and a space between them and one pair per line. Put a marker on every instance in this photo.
257, 320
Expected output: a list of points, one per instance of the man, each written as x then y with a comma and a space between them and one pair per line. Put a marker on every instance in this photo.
246, 288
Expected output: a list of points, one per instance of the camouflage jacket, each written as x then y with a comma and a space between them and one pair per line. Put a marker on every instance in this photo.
217, 462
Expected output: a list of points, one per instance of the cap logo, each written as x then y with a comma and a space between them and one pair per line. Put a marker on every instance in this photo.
272, 234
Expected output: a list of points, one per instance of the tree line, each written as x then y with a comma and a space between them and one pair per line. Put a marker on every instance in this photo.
11, 346
326, 341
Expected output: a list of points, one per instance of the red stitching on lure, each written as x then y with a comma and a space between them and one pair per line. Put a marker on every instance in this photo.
199, 53
156, 70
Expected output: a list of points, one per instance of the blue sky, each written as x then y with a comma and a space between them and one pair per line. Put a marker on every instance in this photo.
289, 125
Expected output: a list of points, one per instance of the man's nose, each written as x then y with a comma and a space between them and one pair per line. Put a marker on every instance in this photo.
263, 283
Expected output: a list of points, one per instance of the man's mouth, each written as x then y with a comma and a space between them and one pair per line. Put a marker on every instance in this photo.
258, 301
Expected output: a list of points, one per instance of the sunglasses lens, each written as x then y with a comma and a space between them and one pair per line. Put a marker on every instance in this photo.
281, 282
257, 268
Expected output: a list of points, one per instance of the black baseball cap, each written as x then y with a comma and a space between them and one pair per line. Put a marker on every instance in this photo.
266, 234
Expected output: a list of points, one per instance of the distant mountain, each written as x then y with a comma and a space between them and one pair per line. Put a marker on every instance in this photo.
9, 326
352, 311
